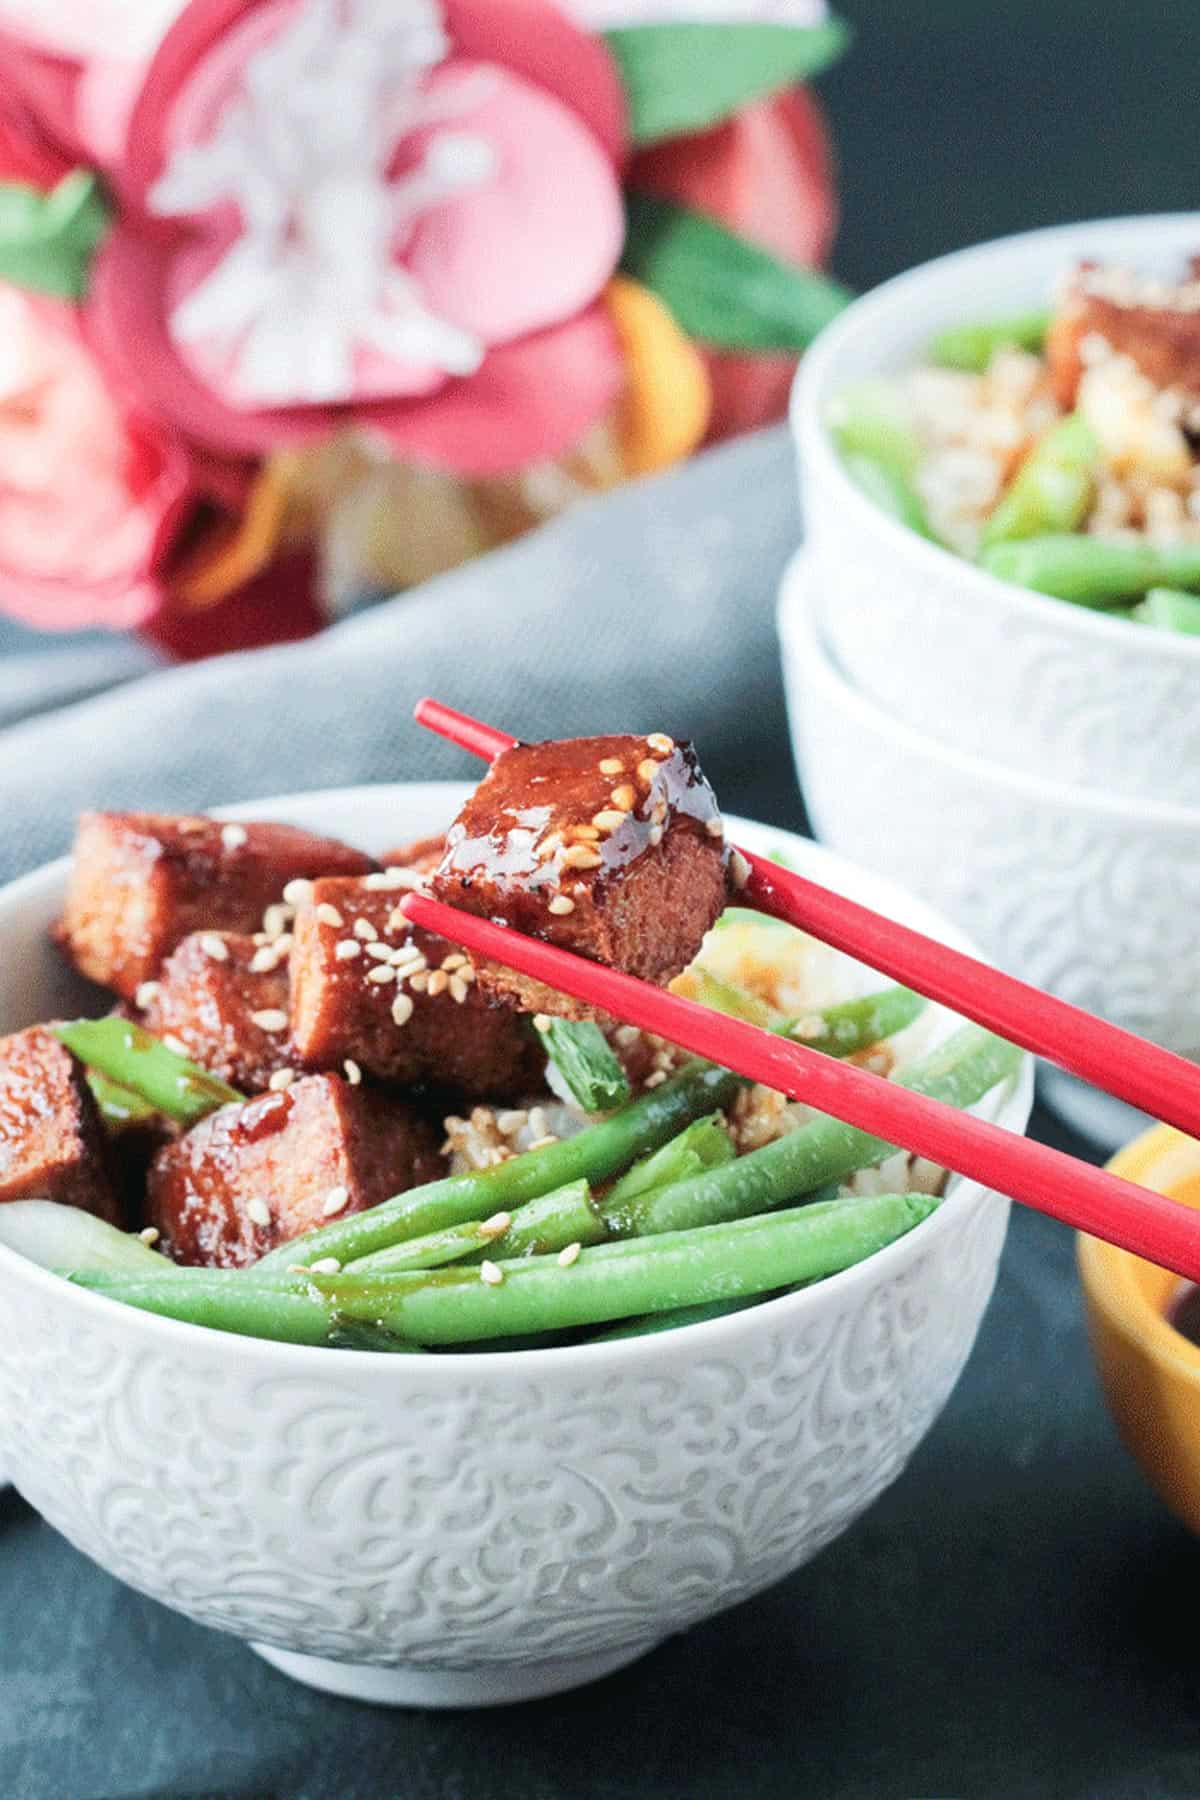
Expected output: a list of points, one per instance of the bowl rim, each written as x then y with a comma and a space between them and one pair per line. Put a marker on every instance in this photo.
871, 311
1108, 1274
622, 1353
796, 623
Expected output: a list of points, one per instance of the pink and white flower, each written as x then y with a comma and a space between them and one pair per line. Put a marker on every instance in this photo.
393, 211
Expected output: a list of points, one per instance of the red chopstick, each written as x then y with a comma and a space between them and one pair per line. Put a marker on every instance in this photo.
1157, 1081
1089, 1199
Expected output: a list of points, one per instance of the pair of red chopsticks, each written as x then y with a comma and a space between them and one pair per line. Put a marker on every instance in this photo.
1089, 1199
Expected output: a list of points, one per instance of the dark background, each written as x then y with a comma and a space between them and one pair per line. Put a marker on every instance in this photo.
1017, 1616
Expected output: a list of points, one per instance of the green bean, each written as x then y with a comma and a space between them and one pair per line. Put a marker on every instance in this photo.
650, 1323
1092, 571
586, 1061
132, 1056
594, 1155
892, 492
960, 1072
550, 1222
880, 450
704, 1145
282, 1307
1167, 609
972, 347
854, 1025
1054, 486
119, 1106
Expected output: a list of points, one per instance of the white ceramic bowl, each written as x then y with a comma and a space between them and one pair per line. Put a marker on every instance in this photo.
1092, 897
465, 1530
1031, 682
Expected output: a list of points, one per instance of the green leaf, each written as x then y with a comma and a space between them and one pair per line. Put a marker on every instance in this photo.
722, 288
681, 78
47, 240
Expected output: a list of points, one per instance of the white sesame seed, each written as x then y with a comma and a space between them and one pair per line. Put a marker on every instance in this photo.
270, 1018
624, 797
581, 856
541, 1143
384, 879
266, 960
627, 1036
381, 973
325, 1265
655, 835
353, 1072
407, 961
258, 1212
658, 740
147, 994
402, 1009
439, 981
611, 819
282, 1078
364, 929
561, 905
174, 1043
347, 949
397, 921
496, 1226
467, 975
233, 836
381, 952
541, 1022
611, 765
419, 982
459, 989
150, 1236
335, 1201
455, 960
715, 826
647, 769
215, 946
569, 1255
491, 1273
329, 915
657, 1079
507, 1123
298, 892
276, 920
739, 869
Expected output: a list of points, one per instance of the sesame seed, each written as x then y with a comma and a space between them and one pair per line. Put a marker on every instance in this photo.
364, 929
408, 961
624, 796
548, 846
561, 905
658, 740
397, 920
380, 973
609, 820
658, 812
191, 826
657, 1079
258, 1212
392, 878
335, 1201
541, 1021
715, 826
611, 765
467, 975
655, 835
381, 952
569, 1255
147, 994
402, 1009
282, 1078
648, 769
270, 1018
739, 869
491, 1273
542, 1143
419, 982
584, 834
325, 1265
496, 1226
298, 892
347, 949
215, 946
353, 1072
458, 989
581, 856
174, 1043
276, 920
456, 960
627, 1036
439, 981
508, 1123
329, 915
150, 1236
233, 836
265, 960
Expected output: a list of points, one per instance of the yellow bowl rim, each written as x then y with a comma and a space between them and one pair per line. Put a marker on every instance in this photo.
1109, 1275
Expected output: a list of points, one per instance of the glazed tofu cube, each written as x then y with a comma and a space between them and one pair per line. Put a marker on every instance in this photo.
253, 1176
1106, 311
141, 882
223, 1000
52, 1143
610, 846
399, 1003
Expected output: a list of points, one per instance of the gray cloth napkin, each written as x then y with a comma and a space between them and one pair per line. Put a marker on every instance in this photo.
649, 609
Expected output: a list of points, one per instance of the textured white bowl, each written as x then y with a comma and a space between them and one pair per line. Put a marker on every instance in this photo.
1035, 683
1092, 897
466, 1530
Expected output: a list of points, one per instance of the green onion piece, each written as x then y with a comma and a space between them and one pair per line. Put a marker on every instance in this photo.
120, 1107
972, 347
133, 1057
1168, 609
704, 1145
586, 1061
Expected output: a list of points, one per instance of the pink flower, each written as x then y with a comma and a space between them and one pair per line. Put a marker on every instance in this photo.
91, 495
401, 215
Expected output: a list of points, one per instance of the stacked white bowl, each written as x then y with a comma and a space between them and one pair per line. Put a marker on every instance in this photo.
1030, 767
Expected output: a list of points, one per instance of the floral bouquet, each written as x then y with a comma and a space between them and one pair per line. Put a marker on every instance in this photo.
305, 298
